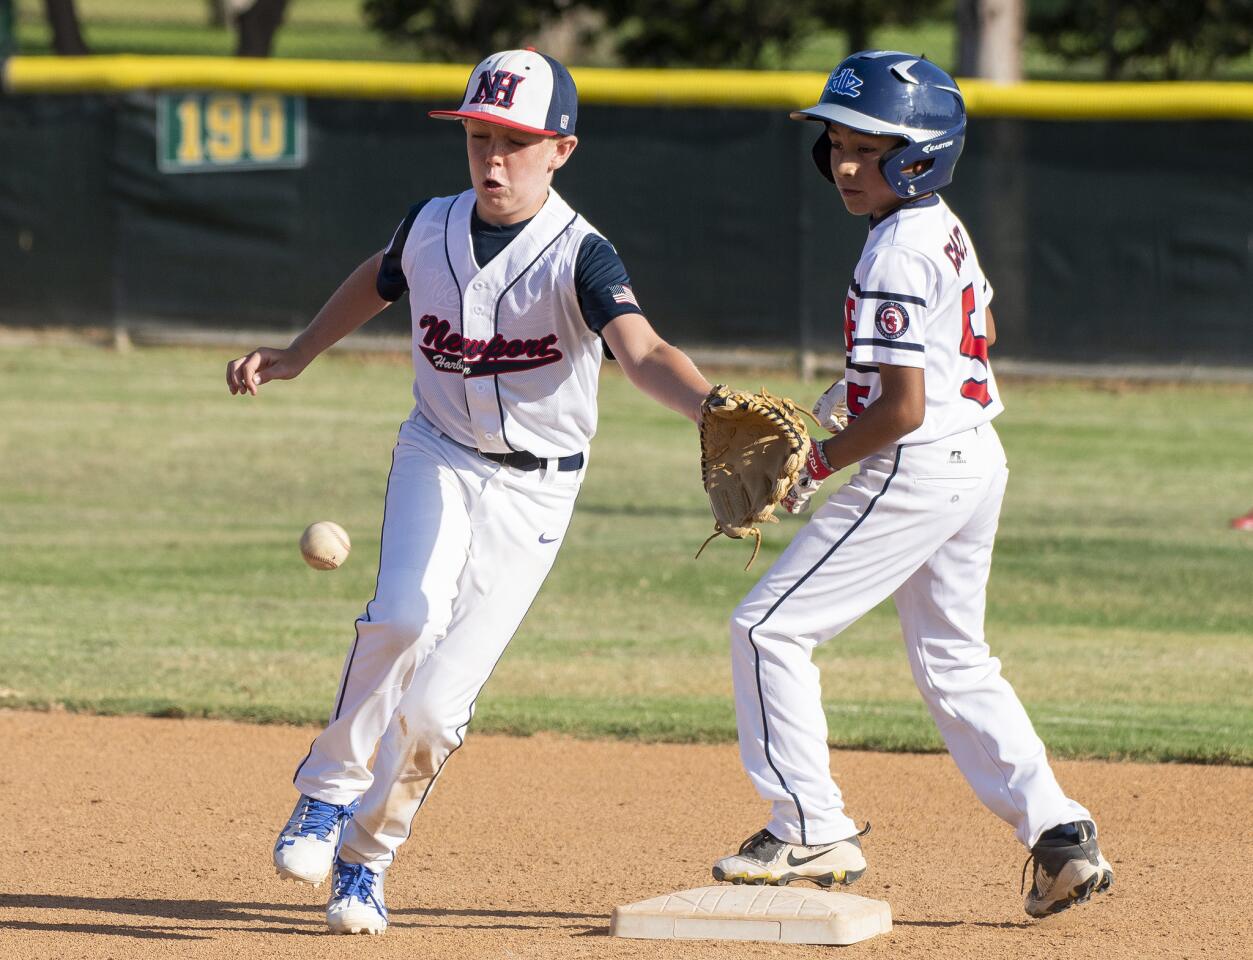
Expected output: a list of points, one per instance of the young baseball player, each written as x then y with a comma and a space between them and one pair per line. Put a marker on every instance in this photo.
917, 520
512, 294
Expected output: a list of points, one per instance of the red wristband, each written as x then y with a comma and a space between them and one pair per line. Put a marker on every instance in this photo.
816, 462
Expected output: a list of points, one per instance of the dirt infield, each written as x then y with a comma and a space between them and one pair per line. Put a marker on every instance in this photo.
136, 838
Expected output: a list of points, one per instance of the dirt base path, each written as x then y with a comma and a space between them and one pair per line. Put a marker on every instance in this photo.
137, 838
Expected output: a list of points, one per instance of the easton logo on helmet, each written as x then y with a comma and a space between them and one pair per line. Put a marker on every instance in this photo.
891, 320
498, 88
845, 83
933, 147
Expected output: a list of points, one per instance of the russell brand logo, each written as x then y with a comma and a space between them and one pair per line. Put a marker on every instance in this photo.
451, 353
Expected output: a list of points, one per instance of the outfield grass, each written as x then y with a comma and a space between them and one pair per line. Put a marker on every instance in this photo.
150, 520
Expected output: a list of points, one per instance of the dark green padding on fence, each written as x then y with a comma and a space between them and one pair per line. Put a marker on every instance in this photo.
1105, 240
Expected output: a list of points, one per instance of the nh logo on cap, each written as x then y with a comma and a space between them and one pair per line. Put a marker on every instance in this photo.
497, 88
844, 83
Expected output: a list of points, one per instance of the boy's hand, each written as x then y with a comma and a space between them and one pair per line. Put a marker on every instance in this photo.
261, 366
831, 410
815, 470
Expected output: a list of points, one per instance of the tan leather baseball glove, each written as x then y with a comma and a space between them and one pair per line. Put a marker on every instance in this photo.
752, 447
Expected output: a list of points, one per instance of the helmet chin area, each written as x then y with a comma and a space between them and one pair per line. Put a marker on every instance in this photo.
938, 155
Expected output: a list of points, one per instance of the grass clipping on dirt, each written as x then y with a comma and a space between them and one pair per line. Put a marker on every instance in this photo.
150, 524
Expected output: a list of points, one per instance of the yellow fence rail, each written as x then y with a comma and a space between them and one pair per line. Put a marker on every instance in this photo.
669, 88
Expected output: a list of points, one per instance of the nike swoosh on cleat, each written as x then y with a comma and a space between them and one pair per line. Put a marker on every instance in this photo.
796, 862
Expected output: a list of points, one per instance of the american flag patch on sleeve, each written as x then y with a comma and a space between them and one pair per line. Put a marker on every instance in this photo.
621, 293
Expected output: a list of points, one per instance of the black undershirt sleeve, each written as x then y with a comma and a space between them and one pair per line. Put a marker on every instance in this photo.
391, 283
602, 283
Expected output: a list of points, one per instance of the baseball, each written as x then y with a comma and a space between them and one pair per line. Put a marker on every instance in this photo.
324, 545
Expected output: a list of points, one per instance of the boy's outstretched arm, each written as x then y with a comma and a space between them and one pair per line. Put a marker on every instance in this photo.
663, 372
355, 302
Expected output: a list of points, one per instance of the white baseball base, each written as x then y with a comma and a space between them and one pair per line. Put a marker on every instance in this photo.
774, 914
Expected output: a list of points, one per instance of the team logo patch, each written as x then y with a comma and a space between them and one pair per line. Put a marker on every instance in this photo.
844, 83
891, 320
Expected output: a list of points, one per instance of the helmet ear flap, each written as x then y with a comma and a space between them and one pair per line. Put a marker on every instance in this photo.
821, 153
891, 171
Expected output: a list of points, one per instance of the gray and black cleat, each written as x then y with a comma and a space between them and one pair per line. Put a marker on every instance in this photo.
1069, 868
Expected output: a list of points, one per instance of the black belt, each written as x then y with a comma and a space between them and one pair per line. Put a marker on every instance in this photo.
521, 460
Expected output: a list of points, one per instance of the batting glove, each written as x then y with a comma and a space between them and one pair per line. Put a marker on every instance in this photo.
815, 470
831, 410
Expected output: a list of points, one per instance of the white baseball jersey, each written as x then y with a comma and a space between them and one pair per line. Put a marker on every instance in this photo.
503, 359
918, 299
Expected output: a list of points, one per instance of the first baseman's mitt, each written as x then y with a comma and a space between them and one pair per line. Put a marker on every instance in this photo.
752, 447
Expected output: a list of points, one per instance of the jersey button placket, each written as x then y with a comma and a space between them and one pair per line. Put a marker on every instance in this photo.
485, 415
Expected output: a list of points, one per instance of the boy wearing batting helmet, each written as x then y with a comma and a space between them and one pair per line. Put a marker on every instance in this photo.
917, 520
514, 298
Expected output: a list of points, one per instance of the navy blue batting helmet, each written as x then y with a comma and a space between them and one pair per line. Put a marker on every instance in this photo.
897, 94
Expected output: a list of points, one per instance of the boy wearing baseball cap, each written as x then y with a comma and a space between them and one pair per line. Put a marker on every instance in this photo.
514, 299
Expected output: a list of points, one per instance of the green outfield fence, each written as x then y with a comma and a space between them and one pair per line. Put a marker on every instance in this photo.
1114, 220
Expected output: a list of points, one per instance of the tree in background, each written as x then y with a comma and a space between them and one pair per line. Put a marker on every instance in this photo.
1172, 39
859, 19
8, 38
706, 33
256, 23
67, 38
219, 13
462, 29
744, 33
989, 39
701, 33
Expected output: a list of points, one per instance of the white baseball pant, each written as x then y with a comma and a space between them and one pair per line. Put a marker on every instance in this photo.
466, 545
916, 523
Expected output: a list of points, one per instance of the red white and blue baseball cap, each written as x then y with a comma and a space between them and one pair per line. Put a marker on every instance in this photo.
521, 89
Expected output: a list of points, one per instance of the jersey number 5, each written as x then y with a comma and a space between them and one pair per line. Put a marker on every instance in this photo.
857, 394
974, 346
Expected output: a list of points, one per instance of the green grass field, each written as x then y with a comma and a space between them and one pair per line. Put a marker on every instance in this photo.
149, 523
336, 30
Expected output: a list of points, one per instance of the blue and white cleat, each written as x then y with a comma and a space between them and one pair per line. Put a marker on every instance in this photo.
356, 904
306, 847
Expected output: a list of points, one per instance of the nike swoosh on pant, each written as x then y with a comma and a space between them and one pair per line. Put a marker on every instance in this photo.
553, 540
